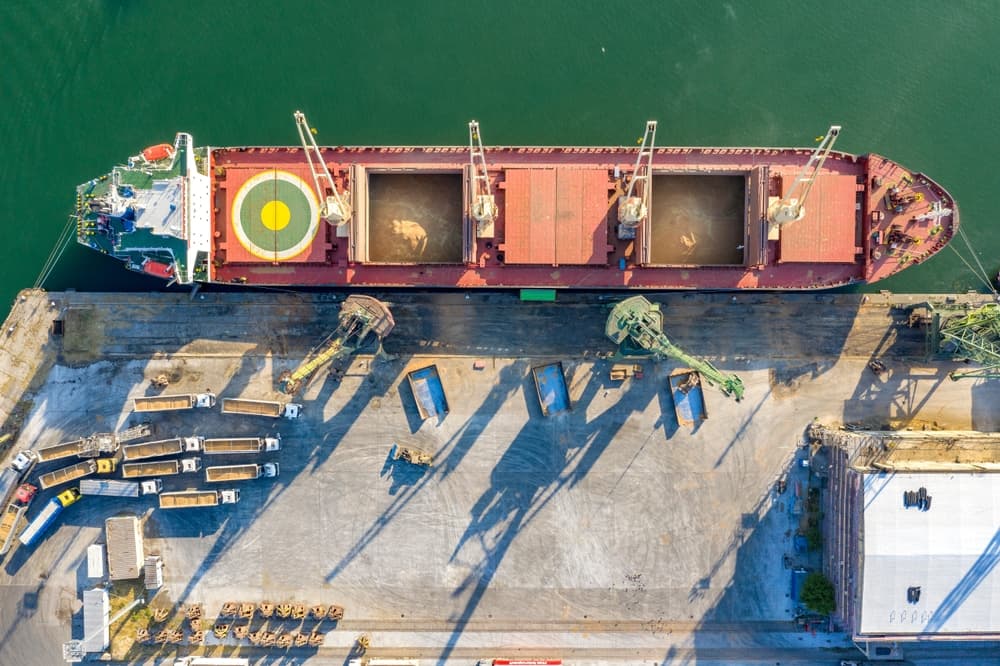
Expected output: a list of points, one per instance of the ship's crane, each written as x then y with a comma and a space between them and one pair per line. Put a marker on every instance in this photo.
484, 207
791, 207
634, 206
336, 207
360, 317
637, 322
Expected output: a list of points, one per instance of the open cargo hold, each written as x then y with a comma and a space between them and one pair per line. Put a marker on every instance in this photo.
550, 383
689, 399
428, 392
67, 474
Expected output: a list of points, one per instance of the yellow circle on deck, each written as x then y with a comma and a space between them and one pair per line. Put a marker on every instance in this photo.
275, 215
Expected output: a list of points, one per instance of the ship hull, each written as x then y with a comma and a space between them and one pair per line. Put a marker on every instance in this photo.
251, 215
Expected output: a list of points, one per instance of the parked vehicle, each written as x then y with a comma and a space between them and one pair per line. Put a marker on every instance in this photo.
223, 473
41, 523
167, 403
160, 448
160, 467
270, 408
186, 499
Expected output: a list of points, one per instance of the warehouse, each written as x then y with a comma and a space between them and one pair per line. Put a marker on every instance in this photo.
125, 552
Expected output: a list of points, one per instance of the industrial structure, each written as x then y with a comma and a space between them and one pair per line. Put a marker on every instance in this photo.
911, 536
125, 549
360, 318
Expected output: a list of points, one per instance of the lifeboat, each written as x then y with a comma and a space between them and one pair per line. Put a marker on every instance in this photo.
160, 151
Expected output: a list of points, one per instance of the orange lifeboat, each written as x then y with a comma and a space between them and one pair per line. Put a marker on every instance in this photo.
160, 151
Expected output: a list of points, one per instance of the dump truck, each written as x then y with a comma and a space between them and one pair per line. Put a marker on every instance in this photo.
270, 408
13, 513
241, 445
169, 403
47, 516
163, 447
240, 472
186, 499
67, 474
60, 451
160, 467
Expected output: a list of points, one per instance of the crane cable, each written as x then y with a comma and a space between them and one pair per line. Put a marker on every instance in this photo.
981, 273
57, 251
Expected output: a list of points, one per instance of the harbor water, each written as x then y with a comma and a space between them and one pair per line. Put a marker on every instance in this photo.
87, 83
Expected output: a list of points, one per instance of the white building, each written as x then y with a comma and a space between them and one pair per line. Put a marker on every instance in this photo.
929, 570
96, 628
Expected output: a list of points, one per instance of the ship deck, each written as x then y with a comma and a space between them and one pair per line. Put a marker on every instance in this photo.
557, 220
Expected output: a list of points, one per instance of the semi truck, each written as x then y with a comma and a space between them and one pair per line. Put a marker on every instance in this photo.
270, 408
67, 474
241, 445
240, 472
163, 447
187, 499
13, 513
114, 488
15, 473
47, 516
169, 403
160, 467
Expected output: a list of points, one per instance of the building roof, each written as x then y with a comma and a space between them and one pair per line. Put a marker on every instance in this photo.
95, 561
125, 552
950, 551
96, 608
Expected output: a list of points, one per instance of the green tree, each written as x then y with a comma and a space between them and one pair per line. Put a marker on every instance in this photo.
817, 594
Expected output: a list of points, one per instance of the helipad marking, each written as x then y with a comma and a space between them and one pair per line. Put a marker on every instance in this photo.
275, 215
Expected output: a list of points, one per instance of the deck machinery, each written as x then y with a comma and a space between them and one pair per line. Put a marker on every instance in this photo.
360, 318
636, 325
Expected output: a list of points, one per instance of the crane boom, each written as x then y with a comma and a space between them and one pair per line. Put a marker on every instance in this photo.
359, 317
791, 207
336, 208
634, 206
484, 207
637, 320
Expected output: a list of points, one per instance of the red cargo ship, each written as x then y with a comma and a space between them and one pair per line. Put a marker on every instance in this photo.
528, 217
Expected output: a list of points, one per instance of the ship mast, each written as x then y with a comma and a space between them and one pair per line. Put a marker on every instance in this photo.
791, 207
336, 208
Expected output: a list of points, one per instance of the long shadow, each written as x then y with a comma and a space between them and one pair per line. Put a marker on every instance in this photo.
747, 420
979, 571
531, 472
446, 461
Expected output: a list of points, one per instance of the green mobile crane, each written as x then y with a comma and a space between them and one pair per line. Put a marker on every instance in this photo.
970, 335
360, 317
636, 325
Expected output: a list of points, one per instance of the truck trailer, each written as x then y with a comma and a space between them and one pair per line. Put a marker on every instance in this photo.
267, 408
187, 499
241, 445
13, 513
60, 451
160, 467
67, 474
160, 448
169, 403
47, 516
223, 473
114, 488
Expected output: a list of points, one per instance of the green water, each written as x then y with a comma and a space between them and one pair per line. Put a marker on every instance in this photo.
85, 83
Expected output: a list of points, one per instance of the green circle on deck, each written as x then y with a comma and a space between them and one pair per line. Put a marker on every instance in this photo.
275, 215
